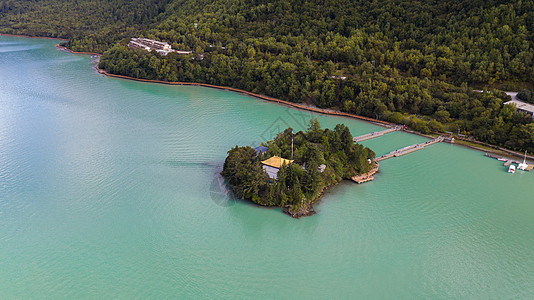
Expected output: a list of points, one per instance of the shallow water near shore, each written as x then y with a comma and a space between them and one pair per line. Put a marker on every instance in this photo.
109, 189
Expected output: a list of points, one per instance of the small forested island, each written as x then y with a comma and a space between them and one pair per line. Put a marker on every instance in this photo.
321, 158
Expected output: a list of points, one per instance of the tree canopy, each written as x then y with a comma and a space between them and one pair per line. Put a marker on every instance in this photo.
413, 62
299, 183
526, 95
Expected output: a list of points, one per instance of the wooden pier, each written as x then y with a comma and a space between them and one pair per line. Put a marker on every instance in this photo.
409, 149
366, 176
375, 134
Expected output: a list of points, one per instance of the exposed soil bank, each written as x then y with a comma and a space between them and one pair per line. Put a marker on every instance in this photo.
263, 97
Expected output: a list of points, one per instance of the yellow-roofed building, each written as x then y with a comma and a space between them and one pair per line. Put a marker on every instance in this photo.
273, 165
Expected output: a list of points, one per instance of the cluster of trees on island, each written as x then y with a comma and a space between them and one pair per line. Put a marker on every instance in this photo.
300, 183
405, 61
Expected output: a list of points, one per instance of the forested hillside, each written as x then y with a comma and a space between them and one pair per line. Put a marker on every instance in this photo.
92, 25
419, 59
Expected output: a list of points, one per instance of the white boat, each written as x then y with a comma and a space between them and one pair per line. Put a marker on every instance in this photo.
511, 169
523, 166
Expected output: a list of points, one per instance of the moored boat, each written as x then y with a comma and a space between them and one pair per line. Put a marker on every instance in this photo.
523, 166
511, 169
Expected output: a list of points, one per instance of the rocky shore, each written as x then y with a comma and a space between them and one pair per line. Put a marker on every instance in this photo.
302, 211
307, 209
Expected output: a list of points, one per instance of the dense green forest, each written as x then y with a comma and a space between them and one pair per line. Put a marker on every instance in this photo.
301, 182
526, 96
91, 25
406, 61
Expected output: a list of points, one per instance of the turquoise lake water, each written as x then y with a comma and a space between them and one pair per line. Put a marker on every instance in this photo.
109, 190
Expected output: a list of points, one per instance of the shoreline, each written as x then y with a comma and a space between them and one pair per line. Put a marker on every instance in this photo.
239, 91
367, 176
63, 48
309, 210
494, 149
32, 37
258, 96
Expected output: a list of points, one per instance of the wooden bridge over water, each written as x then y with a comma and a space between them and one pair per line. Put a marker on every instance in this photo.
409, 149
399, 152
375, 134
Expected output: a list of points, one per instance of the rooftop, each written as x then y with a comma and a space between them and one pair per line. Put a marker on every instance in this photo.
276, 162
261, 149
162, 48
522, 106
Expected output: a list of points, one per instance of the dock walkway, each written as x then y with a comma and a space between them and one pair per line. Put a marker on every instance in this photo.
400, 152
375, 134
409, 149
508, 161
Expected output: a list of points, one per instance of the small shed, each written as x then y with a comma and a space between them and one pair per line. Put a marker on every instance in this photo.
261, 149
